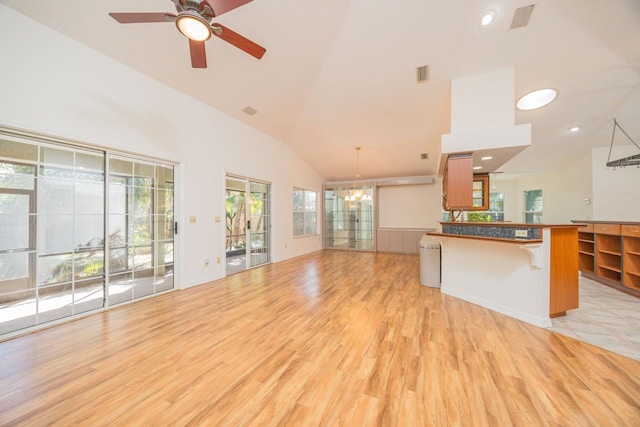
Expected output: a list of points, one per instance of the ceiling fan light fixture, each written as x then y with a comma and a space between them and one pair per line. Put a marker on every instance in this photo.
193, 26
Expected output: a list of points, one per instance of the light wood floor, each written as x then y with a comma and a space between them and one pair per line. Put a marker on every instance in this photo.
332, 338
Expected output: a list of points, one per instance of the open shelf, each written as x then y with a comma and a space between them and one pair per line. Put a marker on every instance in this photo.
631, 262
609, 257
610, 252
586, 251
609, 268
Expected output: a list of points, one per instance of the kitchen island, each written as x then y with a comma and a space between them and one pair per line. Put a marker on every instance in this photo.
526, 271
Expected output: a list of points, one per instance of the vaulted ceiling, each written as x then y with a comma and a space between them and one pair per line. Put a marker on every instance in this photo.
342, 73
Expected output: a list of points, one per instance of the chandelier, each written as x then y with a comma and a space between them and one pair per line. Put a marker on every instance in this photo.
358, 192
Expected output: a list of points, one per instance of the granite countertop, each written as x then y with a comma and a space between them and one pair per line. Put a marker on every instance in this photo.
511, 224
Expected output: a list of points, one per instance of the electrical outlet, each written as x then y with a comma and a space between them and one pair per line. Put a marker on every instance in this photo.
218, 260
285, 246
206, 262
521, 233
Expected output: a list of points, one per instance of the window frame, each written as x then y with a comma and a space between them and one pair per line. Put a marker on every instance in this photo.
304, 212
534, 213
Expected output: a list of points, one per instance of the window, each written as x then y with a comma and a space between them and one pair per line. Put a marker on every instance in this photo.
533, 206
304, 212
495, 212
496, 206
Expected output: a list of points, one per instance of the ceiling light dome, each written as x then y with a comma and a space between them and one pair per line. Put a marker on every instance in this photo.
193, 26
536, 99
488, 17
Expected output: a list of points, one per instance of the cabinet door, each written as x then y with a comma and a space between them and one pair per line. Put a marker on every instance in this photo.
480, 192
459, 183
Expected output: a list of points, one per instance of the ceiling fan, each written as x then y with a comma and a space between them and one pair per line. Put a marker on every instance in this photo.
194, 21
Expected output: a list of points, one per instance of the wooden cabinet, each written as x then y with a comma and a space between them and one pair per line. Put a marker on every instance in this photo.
457, 183
563, 274
462, 190
610, 253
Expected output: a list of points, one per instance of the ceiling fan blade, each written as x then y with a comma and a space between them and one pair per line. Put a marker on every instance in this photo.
137, 18
238, 41
222, 6
198, 54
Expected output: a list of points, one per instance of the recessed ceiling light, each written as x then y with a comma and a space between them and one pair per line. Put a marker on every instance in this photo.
488, 17
486, 158
475, 168
574, 129
536, 99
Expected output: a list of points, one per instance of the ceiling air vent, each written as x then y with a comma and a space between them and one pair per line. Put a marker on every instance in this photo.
249, 110
424, 156
521, 16
422, 74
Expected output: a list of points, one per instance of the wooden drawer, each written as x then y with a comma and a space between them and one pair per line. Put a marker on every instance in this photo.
607, 229
631, 230
588, 228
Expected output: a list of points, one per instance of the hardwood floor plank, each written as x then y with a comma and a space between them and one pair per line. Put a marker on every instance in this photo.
330, 338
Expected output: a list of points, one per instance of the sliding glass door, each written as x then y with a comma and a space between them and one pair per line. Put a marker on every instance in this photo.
141, 226
18, 165
56, 260
247, 224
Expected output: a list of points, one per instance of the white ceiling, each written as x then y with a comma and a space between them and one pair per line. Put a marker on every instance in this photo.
342, 73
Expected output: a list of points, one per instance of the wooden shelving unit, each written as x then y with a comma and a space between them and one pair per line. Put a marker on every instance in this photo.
609, 252
586, 249
631, 256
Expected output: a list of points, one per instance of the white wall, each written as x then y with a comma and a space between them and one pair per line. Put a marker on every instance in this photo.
54, 85
563, 192
613, 193
410, 206
616, 191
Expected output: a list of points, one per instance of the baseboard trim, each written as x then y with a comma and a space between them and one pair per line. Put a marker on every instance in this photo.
541, 322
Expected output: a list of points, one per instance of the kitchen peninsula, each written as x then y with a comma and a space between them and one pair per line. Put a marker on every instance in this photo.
526, 271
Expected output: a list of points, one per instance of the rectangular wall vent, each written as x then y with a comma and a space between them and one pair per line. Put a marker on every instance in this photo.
521, 16
422, 74
424, 156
